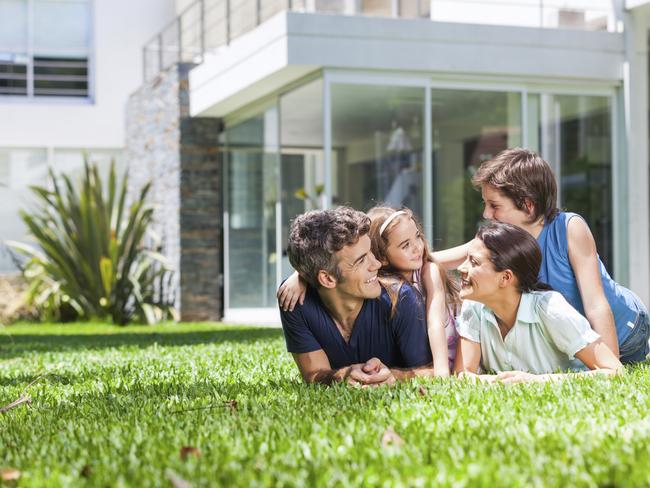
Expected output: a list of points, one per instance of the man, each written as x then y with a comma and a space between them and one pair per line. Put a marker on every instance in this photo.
344, 330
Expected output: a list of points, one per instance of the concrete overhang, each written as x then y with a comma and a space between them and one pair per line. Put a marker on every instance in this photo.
291, 45
632, 4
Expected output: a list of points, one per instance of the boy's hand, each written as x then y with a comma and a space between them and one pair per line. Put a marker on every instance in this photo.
291, 292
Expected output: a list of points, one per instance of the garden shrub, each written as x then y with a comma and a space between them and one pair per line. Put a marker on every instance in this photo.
92, 261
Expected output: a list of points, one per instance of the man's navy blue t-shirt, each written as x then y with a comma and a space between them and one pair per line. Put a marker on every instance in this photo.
400, 341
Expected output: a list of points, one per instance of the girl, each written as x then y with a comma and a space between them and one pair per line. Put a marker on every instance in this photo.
397, 242
510, 322
519, 187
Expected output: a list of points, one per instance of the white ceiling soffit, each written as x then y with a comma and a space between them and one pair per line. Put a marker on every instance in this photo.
291, 45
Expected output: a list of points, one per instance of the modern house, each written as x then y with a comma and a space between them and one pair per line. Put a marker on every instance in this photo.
67, 68
324, 102
252, 111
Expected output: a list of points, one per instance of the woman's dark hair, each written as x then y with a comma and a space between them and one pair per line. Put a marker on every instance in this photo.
513, 248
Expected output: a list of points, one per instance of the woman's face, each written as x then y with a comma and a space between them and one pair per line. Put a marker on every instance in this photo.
479, 279
405, 246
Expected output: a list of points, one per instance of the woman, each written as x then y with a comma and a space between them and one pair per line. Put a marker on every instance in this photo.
514, 325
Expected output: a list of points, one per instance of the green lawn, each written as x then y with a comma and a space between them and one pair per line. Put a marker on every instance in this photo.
114, 406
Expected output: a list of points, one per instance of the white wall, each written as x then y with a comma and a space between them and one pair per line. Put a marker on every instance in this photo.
121, 27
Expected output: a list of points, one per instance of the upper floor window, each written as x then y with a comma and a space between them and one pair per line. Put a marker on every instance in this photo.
44, 48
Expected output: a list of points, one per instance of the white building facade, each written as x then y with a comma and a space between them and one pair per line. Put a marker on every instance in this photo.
67, 68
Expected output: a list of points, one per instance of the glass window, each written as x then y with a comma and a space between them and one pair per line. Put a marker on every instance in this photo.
578, 144
469, 127
377, 146
302, 158
252, 153
54, 57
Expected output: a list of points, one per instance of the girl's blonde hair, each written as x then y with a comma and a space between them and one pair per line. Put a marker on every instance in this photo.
389, 277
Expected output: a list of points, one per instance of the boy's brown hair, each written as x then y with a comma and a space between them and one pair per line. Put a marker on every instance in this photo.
521, 175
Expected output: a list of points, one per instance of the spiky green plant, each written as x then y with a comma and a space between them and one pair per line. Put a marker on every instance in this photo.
91, 261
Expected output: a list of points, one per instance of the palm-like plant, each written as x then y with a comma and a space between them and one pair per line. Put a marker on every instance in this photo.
92, 262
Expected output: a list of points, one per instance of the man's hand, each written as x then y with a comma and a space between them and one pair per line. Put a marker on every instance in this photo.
371, 373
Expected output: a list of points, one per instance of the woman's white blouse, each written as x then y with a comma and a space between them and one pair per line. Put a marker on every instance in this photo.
547, 334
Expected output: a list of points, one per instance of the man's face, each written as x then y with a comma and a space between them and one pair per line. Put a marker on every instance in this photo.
358, 268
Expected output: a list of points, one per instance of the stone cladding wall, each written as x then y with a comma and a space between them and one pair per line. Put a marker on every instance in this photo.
180, 155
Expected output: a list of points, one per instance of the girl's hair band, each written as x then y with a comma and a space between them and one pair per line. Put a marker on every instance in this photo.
389, 220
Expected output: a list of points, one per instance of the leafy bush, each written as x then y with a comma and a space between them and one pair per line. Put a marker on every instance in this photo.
92, 262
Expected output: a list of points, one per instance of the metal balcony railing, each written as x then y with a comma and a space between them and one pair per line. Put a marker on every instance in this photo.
206, 25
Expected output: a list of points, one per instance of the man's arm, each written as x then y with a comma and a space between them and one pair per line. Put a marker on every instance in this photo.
315, 368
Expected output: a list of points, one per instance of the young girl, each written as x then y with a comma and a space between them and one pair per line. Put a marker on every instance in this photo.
510, 322
397, 241
519, 188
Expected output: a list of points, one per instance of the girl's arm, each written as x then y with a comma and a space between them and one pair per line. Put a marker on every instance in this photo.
584, 261
437, 317
451, 258
292, 291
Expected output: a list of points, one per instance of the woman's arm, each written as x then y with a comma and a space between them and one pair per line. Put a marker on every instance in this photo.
584, 261
437, 317
468, 356
597, 357
451, 258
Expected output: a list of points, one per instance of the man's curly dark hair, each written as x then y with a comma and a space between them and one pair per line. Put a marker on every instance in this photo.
316, 236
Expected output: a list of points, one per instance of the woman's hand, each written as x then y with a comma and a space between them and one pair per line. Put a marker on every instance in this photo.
512, 377
292, 291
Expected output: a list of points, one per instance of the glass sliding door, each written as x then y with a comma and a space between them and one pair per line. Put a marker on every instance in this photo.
468, 127
252, 155
577, 142
301, 158
377, 145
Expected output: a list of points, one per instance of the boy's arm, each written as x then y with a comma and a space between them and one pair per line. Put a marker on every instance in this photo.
437, 317
584, 261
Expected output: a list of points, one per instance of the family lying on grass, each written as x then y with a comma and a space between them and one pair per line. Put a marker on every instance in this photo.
369, 303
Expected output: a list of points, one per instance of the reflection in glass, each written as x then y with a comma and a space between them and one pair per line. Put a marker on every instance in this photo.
469, 127
377, 146
252, 180
302, 158
579, 147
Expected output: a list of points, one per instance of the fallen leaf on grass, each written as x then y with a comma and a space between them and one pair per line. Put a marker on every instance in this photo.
187, 450
422, 391
9, 474
391, 438
16, 403
175, 480
232, 404
86, 471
